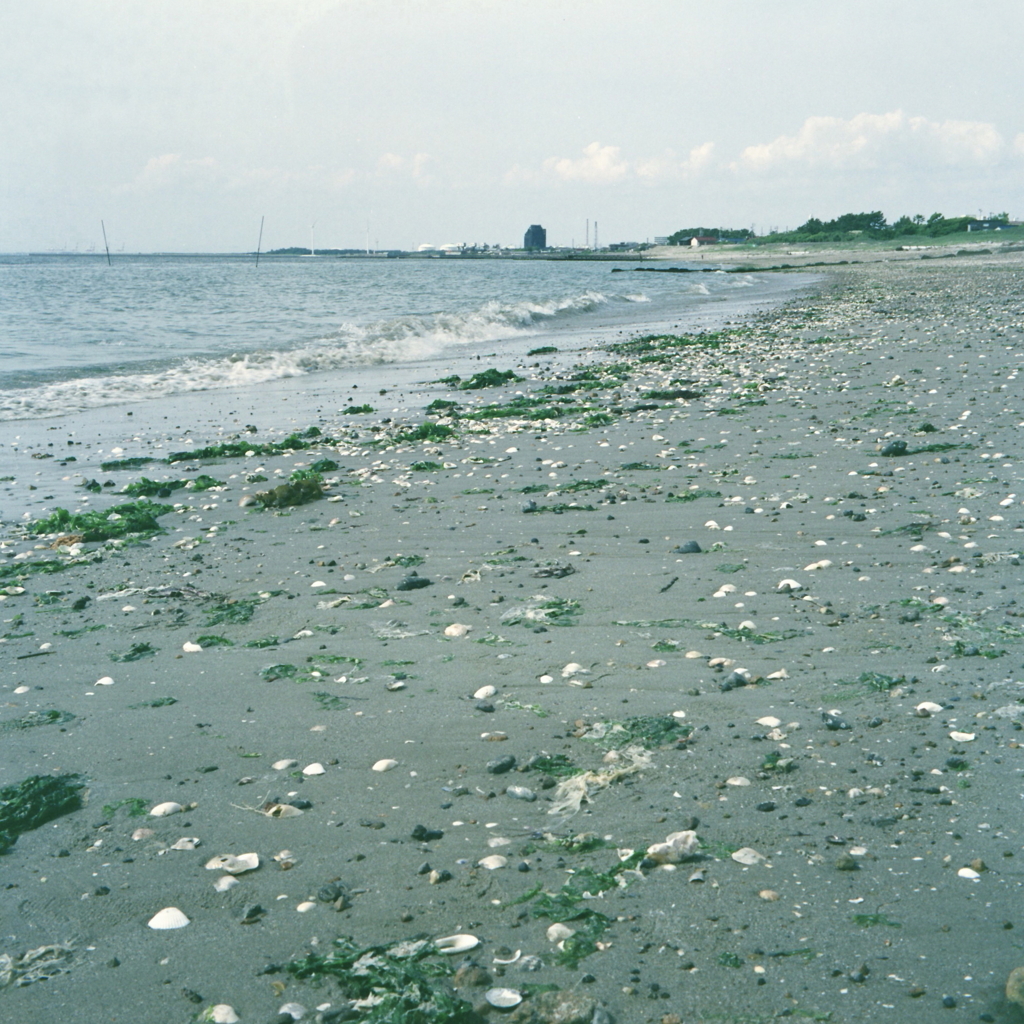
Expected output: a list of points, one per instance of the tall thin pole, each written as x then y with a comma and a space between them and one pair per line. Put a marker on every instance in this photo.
105, 246
260, 242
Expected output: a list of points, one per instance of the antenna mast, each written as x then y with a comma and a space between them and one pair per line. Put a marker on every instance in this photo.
105, 246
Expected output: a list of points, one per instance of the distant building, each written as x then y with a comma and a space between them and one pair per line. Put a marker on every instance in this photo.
661, 239
535, 238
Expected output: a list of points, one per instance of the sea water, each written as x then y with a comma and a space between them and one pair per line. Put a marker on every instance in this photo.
78, 334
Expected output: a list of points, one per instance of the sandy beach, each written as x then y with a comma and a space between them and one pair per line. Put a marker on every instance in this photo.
754, 587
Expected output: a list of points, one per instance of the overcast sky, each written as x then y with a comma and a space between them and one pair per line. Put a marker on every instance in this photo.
181, 122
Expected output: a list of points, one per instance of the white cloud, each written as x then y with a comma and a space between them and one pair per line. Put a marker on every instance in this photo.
171, 169
877, 140
598, 165
1018, 144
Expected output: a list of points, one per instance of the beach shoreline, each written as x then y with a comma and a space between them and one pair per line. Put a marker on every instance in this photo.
561, 545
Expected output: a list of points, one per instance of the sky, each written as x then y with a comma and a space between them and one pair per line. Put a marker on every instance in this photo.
181, 123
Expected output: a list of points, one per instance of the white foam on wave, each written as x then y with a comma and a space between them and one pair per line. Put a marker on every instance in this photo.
400, 339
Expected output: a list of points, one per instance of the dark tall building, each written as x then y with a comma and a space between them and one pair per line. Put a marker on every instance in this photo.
535, 238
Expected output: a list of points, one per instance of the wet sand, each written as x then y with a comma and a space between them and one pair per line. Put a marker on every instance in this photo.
557, 544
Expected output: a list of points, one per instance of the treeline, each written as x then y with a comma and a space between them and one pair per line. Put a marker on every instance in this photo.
873, 225
683, 236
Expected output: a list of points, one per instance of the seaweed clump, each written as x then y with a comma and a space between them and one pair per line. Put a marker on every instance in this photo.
308, 487
134, 517
35, 801
400, 983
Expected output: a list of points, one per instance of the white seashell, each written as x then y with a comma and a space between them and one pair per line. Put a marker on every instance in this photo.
294, 1010
286, 859
737, 780
305, 906
712, 525
969, 873
961, 737
495, 842
190, 648
21, 689
225, 882
693, 654
316, 768
234, 865
680, 715
141, 833
727, 588
493, 862
456, 943
457, 629
770, 895
769, 722
503, 998
748, 624
186, 843
162, 810
781, 674
222, 1013
168, 918
823, 564
573, 669
104, 681
676, 847
775, 735
384, 765
515, 956
547, 679
748, 856
317, 583
558, 932
787, 585
484, 692
657, 663
282, 811
284, 764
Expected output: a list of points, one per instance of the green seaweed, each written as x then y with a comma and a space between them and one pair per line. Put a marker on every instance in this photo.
730, 567
489, 378
442, 407
299, 491
426, 467
876, 681
330, 701
871, 920
135, 804
232, 611
693, 495
116, 464
154, 488
406, 987
324, 466
358, 410
35, 801
214, 640
519, 407
650, 731
263, 642
544, 350
156, 702
560, 507
409, 561
426, 432
730, 960
274, 672
32, 719
551, 611
557, 765
134, 653
598, 419
138, 517
309, 438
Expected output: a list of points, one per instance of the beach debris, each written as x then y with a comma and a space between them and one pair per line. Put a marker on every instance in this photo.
385, 764
284, 764
451, 944
294, 492
789, 586
305, 906
35, 801
39, 964
225, 883
747, 856
737, 780
457, 629
677, 846
168, 919
573, 791
221, 1013
166, 808
186, 843
503, 998
559, 932
234, 864
272, 810
969, 873
190, 648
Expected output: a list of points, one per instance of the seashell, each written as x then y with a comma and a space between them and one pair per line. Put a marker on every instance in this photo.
104, 681
823, 564
559, 932
186, 843
394, 686
284, 764
676, 847
495, 842
286, 859
456, 943
484, 692
384, 765
961, 737
657, 663
503, 998
222, 1013
680, 715
457, 629
693, 654
927, 708
748, 624
294, 1010
225, 882
712, 525
190, 648
305, 906
747, 856
769, 722
494, 737
141, 833
21, 689
316, 768
696, 876
547, 679
769, 895
720, 663
624, 853
281, 811
574, 669
168, 918
493, 862
515, 956
780, 674
788, 585
737, 780
775, 735
168, 807
234, 865
969, 873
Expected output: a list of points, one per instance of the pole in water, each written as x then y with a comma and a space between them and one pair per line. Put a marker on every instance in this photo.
105, 246
260, 242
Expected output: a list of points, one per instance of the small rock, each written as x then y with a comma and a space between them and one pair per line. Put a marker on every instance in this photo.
1015, 986
688, 547
521, 793
500, 765
847, 862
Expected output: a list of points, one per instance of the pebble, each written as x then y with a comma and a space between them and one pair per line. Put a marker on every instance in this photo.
500, 765
521, 793
1015, 986
688, 547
